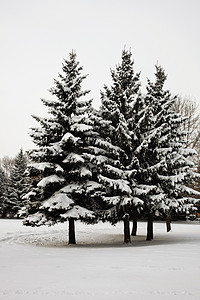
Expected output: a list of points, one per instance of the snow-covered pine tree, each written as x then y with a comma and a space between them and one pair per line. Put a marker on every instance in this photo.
159, 160
178, 171
57, 166
66, 166
4, 210
18, 185
118, 105
147, 132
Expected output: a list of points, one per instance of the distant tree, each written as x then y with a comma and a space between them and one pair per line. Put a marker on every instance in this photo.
6, 164
189, 109
3, 194
18, 185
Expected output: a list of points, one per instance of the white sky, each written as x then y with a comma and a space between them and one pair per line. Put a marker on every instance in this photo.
37, 35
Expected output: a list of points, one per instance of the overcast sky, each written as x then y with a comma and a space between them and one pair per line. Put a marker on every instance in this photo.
37, 35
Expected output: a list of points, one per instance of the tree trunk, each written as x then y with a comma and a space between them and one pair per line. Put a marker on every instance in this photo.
150, 227
72, 239
127, 237
134, 228
168, 223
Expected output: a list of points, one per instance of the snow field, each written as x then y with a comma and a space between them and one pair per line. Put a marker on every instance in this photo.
37, 263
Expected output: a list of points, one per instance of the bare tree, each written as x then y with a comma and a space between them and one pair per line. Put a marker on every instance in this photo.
6, 163
189, 109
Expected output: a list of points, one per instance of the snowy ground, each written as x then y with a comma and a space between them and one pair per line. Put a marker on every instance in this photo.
37, 263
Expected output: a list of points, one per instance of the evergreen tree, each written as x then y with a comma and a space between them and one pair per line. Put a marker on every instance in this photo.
178, 172
162, 164
119, 105
18, 185
3, 199
67, 167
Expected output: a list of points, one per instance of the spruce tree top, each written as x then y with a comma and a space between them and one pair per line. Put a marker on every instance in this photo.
67, 90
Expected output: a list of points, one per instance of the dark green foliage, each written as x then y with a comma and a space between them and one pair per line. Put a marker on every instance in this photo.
3, 199
18, 185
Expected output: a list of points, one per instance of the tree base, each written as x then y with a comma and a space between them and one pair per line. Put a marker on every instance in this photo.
127, 237
134, 228
72, 239
168, 224
149, 227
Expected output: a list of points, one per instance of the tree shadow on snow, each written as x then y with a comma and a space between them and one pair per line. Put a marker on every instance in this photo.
107, 241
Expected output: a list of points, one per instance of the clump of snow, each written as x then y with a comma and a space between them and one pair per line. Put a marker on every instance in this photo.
77, 127
70, 137
70, 188
55, 149
112, 200
50, 179
97, 159
37, 219
57, 201
143, 189
157, 197
84, 172
73, 158
137, 201
117, 184
115, 171
77, 212
92, 185
29, 195
45, 165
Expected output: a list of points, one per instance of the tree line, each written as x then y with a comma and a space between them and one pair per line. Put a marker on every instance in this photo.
132, 158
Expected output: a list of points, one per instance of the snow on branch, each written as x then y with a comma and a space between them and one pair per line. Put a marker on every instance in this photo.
73, 158
189, 191
57, 201
158, 165
54, 149
45, 165
158, 197
174, 178
187, 152
71, 188
143, 189
112, 200
77, 127
164, 151
84, 172
77, 212
50, 180
37, 219
97, 159
107, 146
92, 185
68, 137
117, 184
115, 171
